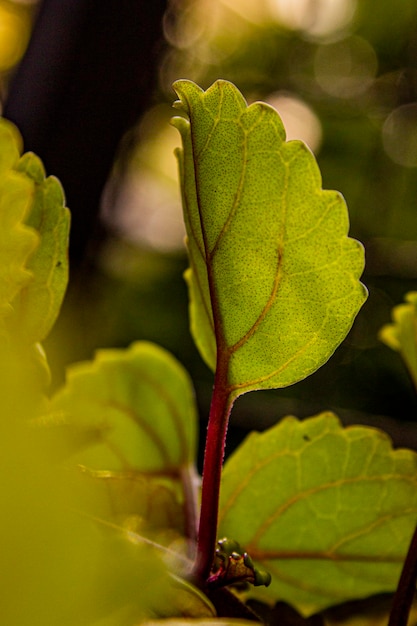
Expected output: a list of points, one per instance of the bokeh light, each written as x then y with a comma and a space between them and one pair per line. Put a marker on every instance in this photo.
317, 18
399, 135
299, 119
146, 208
346, 68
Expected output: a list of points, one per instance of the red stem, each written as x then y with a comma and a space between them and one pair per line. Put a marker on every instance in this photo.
213, 460
404, 595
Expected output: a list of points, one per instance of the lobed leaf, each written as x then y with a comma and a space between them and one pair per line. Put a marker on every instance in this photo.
273, 277
34, 226
40, 302
137, 407
17, 241
328, 511
141, 404
401, 335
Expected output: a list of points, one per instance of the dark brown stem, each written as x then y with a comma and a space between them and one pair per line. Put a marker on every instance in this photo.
404, 595
213, 460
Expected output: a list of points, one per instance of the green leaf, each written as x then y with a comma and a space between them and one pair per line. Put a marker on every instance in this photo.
10, 145
17, 241
33, 273
34, 227
401, 335
40, 303
273, 277
328, 511
140, 402
137, 408
59, 568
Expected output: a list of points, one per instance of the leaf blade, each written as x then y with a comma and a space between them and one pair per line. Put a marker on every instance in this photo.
17, 241
140, 399
334, 526
133, 410
274, 277
39, 304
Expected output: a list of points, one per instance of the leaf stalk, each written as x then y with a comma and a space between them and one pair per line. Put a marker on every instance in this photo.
220, 409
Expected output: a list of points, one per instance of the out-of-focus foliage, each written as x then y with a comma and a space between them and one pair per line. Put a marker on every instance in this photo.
135, 412
401, 335
58, 567
15, 28
34, 267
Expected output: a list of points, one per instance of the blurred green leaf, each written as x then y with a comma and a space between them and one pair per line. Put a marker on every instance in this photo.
137, 410
17, 240
40, 302
401, 335
328, 511
59, 567
33, 273
34, 244
140, 403
274, 278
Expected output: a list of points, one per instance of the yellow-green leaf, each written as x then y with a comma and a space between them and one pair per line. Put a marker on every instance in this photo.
58, 567
34, 227
140, 402
401, 335
137, 411
273, 276
328, 511
17, 241
39, 303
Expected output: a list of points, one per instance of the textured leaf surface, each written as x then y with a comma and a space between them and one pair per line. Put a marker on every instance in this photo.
401, 335
273, 277
329, 512
137, 408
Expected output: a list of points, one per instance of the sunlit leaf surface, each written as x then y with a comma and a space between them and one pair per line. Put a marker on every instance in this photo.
273, 277
401, 335
328, 511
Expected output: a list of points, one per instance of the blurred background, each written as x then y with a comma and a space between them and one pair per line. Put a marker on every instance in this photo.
89, 86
